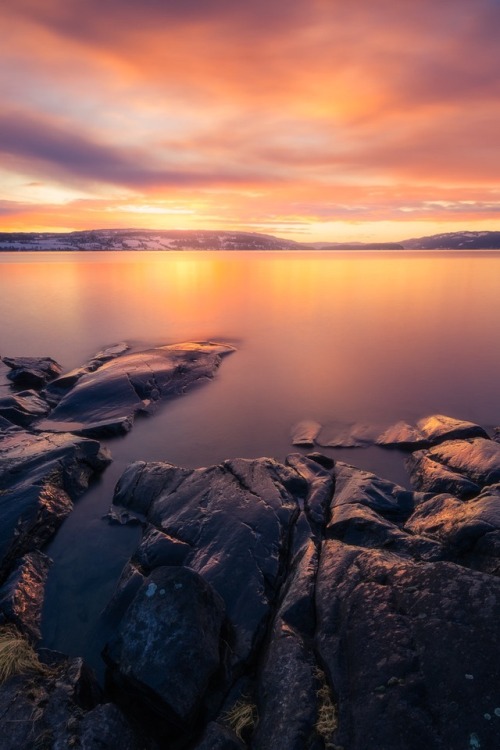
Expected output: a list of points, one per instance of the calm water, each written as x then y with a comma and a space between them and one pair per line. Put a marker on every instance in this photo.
344, 337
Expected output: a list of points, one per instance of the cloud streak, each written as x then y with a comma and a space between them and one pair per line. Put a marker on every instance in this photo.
301, 113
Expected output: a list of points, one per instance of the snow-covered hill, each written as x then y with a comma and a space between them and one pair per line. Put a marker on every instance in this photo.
455, 241
144, 239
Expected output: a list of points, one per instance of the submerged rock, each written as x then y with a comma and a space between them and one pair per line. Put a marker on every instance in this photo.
105, 400
305, 433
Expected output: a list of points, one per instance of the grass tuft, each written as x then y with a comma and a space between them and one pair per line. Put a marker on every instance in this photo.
327, 720
241, 717
17, 656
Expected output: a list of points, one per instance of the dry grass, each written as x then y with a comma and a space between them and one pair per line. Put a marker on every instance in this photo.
16, 655
242, 716
327, 721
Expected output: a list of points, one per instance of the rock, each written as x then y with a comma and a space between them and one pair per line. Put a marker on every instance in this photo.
23, 408
32, 372
432, 477
104, 401
348, 436
355, 486
22, 595
438, 428
305, 433
55, 705
401, 435
459, 467
237, 518
157, 549
470, 530
39, 476
168, 646
386, 631
218, 737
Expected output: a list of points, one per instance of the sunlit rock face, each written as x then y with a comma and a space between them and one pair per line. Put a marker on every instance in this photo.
461, 467
103, 397
357, 611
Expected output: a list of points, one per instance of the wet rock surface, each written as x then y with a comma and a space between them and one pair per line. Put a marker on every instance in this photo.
103, 397
374, 608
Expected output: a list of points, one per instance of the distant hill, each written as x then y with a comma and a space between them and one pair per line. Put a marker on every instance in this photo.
144, 239
455, 241
156, 239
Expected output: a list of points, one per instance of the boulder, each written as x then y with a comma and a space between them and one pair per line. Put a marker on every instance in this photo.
32, 372
437, 428
168, 646
104, 401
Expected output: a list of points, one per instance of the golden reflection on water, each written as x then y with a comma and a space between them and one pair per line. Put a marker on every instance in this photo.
342, 335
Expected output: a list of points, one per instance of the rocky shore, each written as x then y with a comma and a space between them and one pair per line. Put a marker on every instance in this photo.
300, 605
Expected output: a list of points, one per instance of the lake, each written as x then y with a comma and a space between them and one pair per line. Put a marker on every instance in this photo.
345, 337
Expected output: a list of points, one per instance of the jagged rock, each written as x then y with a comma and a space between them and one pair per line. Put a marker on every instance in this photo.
56, 706
438, 428
469, 530
355, 486
32, 372
459, 467
157, 548
23, 408
168, 647
305, 433
404, 648
105, 400
39, 476
22, 595
237, 519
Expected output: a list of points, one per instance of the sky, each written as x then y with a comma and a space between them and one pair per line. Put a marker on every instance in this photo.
360, 120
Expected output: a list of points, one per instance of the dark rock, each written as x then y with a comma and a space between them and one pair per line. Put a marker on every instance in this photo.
107, 728
305, 433
105, 400
32, 372
459, 467
39, 476
404, 647
218, 737
237, 518
157, 549
22, 595
23, 408
168, 645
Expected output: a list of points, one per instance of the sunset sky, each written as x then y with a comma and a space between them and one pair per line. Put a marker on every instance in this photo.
308, 119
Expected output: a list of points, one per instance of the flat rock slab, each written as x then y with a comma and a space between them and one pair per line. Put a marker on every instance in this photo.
23, 408
103, 397
40, 475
